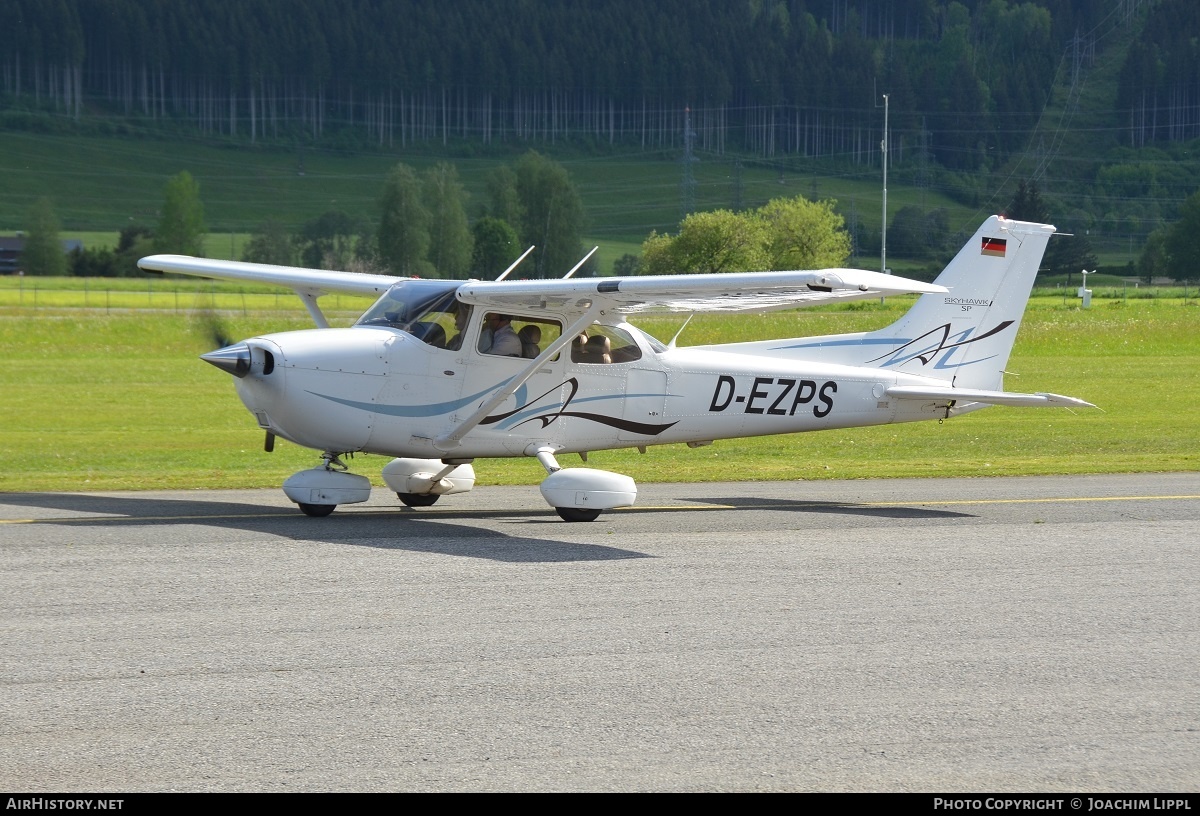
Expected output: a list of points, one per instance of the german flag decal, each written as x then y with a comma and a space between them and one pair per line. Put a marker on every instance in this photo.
993, 246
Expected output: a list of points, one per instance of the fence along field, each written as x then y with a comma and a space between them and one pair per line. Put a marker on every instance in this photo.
104, 391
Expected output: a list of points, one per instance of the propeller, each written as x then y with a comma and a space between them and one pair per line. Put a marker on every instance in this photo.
230, 356
210, 326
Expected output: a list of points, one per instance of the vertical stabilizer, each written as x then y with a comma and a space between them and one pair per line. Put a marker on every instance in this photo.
966, 336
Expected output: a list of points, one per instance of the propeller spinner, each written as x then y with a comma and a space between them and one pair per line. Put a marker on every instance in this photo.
233, 359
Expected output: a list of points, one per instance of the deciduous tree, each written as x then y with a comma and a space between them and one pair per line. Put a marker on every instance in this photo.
551, 214
803, 234
326, 241
495, 247
181, 226
450, 240
503, 202
272, 244
403, 237
1182, 244
1152, 263
43, 252
786, 233
718, 241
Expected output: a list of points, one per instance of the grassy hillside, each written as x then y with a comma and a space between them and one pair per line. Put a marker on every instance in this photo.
99, 185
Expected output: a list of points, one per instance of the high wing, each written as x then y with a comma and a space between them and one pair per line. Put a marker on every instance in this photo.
317, 281
309, 284
728, 292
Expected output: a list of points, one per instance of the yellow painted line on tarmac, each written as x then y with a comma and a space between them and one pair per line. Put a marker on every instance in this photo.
1075, 500
95, 519
665, 507
778, 503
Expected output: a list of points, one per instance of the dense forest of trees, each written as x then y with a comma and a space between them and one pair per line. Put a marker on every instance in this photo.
967, 80
1159, 89
981, 93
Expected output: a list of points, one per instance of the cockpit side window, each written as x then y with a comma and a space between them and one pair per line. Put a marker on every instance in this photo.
507, 335
604, 344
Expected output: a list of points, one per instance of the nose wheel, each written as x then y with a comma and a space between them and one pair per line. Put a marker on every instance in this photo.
319, 490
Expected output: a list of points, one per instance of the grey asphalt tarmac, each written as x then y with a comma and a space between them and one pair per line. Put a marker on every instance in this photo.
972, 635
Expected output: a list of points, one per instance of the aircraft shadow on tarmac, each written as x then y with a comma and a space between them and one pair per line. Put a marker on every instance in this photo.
391, 529
401, 528
837, 508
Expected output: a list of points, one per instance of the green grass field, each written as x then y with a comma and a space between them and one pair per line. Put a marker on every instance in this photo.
114, 397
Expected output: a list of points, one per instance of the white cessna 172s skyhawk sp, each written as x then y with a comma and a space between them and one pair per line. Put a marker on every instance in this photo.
438, 373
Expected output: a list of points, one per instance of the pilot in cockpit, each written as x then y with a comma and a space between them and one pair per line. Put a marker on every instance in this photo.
462, 316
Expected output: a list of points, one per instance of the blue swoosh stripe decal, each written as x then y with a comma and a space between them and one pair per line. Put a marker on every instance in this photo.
882, 341
431, 409
523, 414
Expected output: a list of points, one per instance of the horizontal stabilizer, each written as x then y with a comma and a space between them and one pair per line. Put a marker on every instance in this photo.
920, 392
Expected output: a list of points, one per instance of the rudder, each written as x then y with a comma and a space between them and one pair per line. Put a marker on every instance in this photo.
966, 336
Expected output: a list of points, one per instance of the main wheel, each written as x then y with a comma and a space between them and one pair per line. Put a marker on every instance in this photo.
577, 513
418, 499
316, 510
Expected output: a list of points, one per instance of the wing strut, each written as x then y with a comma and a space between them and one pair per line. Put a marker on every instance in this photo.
310, 302
451, 439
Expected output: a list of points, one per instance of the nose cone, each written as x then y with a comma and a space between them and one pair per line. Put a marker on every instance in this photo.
233, 359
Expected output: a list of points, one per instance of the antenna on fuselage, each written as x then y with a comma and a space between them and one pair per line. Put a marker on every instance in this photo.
515, 263
575, 268
671, 345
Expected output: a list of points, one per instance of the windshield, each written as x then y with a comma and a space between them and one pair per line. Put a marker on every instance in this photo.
425, 309
653, 342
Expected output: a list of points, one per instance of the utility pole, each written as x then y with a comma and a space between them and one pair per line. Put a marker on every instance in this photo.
883, 146
738, 186
688, 187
